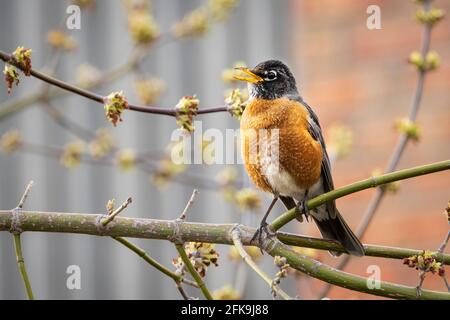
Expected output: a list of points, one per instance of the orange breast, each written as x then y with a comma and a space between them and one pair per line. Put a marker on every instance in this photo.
266, 121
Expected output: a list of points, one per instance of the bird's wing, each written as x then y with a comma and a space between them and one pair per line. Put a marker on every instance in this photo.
316, 132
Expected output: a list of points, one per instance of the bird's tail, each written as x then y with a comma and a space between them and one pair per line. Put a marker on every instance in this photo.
337, 229
333, 229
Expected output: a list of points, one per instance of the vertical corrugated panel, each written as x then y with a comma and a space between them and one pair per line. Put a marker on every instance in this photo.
256, 31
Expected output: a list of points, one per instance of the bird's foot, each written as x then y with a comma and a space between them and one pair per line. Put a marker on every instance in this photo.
263, 233
302, 209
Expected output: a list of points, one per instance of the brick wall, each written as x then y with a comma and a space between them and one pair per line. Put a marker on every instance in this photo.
360, 78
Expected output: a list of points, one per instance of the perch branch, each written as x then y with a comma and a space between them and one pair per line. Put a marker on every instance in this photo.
215, 233
201, 232
38, 221
362, 185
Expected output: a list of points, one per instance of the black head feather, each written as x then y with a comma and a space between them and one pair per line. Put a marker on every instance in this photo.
278, 81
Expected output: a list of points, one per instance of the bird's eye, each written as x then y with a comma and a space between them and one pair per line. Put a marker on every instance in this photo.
270, 75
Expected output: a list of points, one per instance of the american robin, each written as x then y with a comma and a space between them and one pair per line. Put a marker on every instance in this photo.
291, 160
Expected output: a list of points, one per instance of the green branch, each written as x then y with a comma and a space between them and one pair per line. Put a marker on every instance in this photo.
203, 232
369, 250
21, 264
362, 185
193, 272
345, 280
247, 259
222, 233
144, 255
38, 221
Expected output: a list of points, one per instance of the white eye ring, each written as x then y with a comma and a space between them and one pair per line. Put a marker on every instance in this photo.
270, 75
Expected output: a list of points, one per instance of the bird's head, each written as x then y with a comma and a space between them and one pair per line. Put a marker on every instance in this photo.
269, 80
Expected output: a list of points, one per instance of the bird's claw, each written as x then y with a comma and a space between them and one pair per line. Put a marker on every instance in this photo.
261, 234
302, 210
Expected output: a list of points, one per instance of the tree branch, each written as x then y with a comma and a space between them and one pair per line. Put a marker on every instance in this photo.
116, 212
236, 237
362, 185
198, 232
16, 231
144, 255
193, 272
342, 279
369, 250
99, 98
87, 223
22, 268
12, 106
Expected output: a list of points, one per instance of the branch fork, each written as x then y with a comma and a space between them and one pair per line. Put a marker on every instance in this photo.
16, 231
110, 217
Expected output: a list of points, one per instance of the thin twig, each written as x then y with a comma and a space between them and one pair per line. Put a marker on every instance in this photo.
22, 268
12, 106
18, 246
446, 283
192, 271
53, 59
444, 244
68, 124
25, 195
172, 112
441, 250
188, 205
182, 292
144, 255
185, 179
235, 235
422, 275
111, 216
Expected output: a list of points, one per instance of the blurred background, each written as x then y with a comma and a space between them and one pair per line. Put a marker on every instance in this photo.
357, 80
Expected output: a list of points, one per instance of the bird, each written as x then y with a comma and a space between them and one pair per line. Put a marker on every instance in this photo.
284, 152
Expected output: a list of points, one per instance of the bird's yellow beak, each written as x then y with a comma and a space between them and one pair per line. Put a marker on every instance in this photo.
247, 75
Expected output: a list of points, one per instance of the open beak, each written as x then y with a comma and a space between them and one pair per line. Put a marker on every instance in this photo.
247, 75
